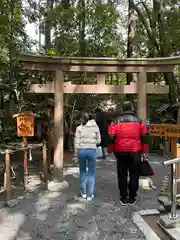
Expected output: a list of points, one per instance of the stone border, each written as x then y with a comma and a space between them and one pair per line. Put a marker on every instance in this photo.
148, 212
172, 233
143, 226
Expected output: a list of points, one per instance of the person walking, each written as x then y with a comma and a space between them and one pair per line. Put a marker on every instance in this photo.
87, 137
128, 134
103, 127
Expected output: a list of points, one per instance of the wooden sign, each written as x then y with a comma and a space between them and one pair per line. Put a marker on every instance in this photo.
25, 124
169, 130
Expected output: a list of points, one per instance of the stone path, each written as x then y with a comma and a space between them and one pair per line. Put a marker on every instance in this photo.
59, 214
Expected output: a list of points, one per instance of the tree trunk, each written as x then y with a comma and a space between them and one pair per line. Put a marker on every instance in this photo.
131, 35
165, 51
130, 41
162, 44
151, 47
170, 80
48, 26
39, 6
82, 25
11, 49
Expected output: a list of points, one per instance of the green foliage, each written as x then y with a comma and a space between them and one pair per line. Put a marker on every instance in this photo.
77, 28
101, 21
12, 78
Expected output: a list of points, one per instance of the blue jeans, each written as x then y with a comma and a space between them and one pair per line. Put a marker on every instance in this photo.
90, 156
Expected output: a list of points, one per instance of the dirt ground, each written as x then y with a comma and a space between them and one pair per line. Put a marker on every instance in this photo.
34, 171
59, 213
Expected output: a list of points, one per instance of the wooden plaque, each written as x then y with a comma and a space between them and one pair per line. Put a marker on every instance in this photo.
169, 130
25, 124
157, 130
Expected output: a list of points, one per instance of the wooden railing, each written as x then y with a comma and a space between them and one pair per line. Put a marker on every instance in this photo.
8, 152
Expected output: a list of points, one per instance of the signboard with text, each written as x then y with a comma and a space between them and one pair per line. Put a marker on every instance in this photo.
169, 130
25, 124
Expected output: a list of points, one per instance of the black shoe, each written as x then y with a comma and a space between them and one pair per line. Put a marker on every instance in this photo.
132, 201
123, 201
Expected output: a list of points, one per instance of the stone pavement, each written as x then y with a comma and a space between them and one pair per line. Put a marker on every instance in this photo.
59, 214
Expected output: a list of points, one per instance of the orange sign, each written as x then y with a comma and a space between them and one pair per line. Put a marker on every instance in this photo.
169, 130
25, 124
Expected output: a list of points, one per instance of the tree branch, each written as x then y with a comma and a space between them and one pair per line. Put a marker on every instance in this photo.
147, 11
164, 44
146, 25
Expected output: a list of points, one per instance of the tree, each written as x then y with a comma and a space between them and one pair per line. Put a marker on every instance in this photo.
154, 22
12, 40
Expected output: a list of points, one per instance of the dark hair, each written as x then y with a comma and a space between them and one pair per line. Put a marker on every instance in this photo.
84, 118
91, 116
97, 110
127, 106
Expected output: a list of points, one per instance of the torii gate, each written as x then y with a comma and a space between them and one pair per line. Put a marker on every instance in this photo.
100, 66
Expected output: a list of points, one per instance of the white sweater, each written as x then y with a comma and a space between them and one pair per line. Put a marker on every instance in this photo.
87, 136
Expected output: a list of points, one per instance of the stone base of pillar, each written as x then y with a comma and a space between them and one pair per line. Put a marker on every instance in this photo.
58, 175
166, 222
173, 233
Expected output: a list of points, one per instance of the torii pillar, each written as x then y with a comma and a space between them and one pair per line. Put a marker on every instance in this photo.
58, 126
142, 95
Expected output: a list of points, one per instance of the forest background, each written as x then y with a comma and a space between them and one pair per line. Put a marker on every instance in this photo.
93, 28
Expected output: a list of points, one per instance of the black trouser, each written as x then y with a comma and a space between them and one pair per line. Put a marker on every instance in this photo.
128, 162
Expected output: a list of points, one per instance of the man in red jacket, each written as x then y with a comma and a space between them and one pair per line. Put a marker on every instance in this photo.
128, 134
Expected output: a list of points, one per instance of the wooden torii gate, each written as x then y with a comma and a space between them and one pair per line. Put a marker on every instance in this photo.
100, 66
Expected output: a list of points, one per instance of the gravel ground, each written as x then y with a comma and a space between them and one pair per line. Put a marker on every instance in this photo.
62, 215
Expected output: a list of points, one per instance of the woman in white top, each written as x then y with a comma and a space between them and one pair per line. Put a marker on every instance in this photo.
87, 137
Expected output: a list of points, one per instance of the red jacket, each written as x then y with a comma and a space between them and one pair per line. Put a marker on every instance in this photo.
127, 134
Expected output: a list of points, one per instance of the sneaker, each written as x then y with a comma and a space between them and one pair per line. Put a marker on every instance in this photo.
123, 201
132, 201
90, 198
84, 196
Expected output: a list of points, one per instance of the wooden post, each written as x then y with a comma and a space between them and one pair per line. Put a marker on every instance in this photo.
141, 94
58, 126
7, 176
101, 79
25, 163
173, 149
178, 167
45, 167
